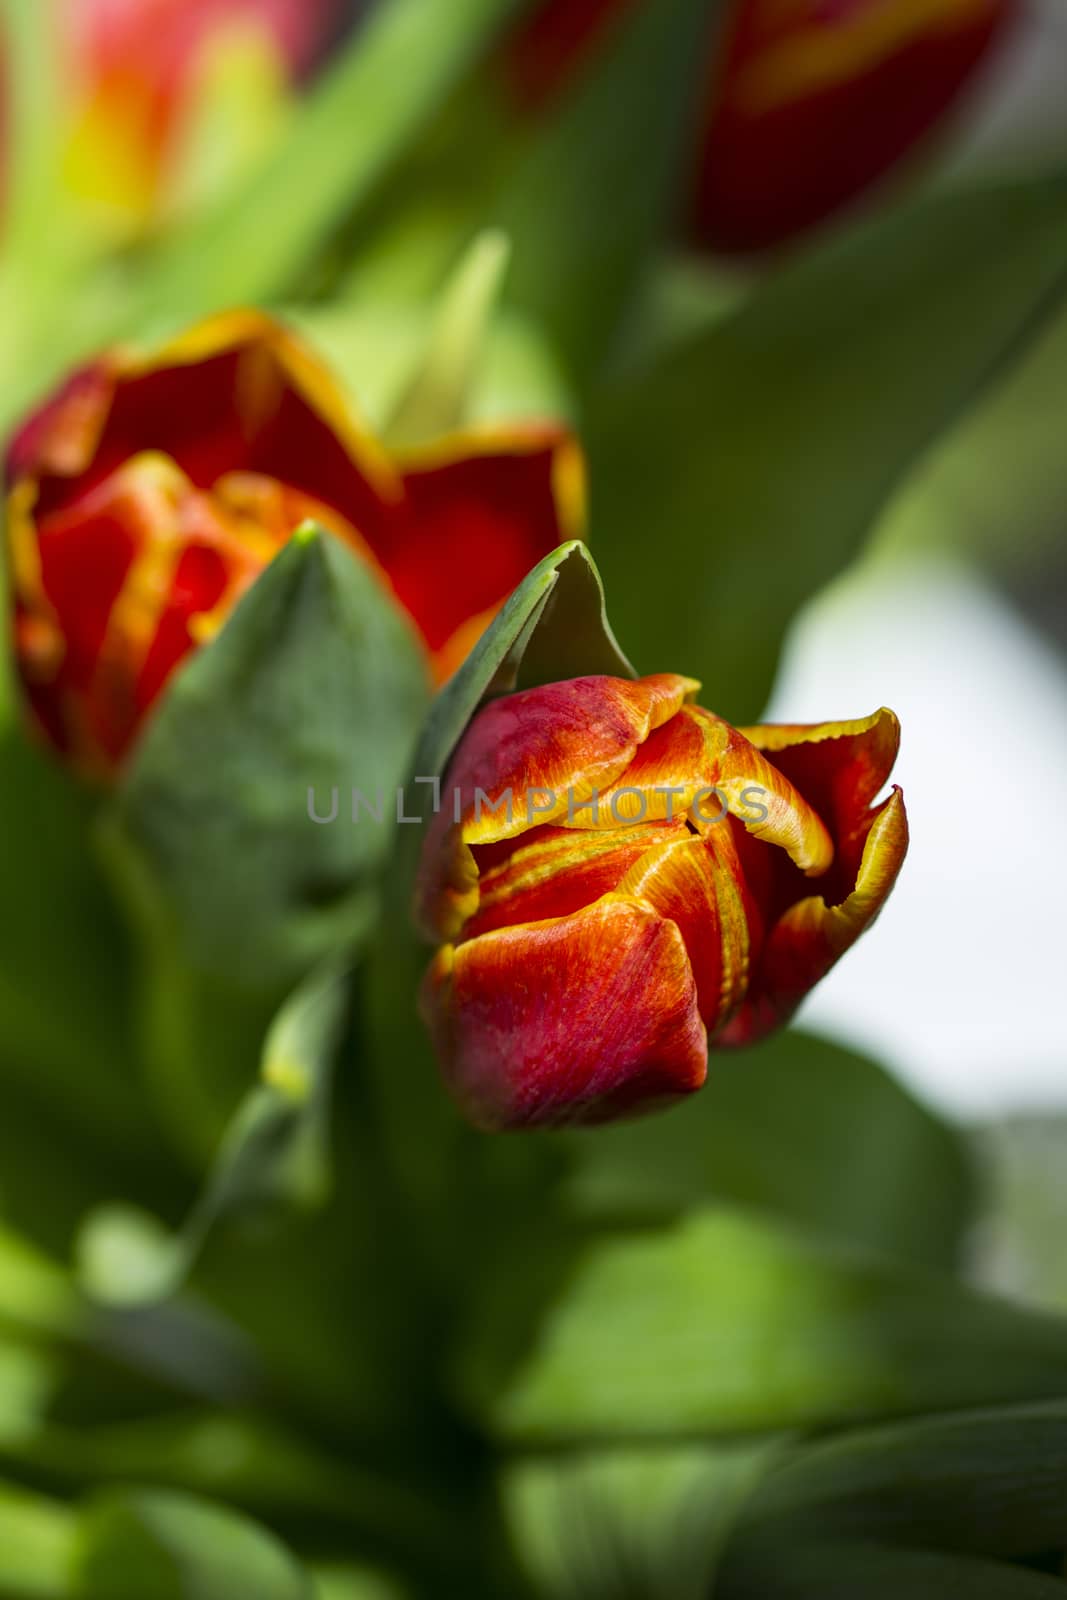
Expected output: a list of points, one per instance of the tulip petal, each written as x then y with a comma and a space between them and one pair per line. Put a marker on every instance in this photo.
581, 1019
235, 393
478, 511
676, 769
551, 872
813, 934
114, 590
698, 882
839, 768
530, 759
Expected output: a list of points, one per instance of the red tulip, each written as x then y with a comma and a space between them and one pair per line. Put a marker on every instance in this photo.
621, 880
809, 102
149, 493
139, 70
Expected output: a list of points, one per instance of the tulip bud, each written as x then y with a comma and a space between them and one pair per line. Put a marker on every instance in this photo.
623, 879
149, 493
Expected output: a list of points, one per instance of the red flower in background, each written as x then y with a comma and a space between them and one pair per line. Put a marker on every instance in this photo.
809, 103
138, 71
622, 880
149, 493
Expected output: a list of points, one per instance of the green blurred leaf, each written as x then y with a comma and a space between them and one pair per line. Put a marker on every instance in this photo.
624, 131
357, 1583
842, 1572
438, 394
144, 1545
553, 626
315, 688
764, 447
645, 1524
315, 684
376, 347
350, 130
990, 1483
798, 1126
722, 1322
275, 1154
64, 962
36, 1544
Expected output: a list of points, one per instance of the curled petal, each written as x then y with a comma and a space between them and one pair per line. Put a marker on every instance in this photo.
530, 759
699, 883
839, 768
580, 1019
811, 935
680, 765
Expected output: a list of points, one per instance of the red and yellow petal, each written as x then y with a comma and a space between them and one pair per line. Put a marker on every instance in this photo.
839, 768
699, 883
529, 759
813, 934
477, 512
679, 765
551, 872
582, 1019
812, 104
237, 392
113, 590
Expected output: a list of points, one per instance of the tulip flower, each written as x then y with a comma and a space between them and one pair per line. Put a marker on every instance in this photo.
621, 880
810, 102
141, 72
149, 493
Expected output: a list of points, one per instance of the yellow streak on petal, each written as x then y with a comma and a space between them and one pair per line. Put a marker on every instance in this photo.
822, 55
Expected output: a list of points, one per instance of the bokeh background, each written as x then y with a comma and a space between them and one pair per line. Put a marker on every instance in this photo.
813, 338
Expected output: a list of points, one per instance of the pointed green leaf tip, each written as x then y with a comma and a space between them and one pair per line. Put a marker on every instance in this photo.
554, 626
438, 396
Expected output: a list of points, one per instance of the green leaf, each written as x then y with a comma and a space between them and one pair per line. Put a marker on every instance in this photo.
377, 345
991, 1484
399, 67
624, 131
438, 395
648, 1524
724, 1322
553, 626
36, 1541
275, 1154
314, 689
64, 958
798, 1126
842, 1572
315, 685
738, 473
145, 1545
